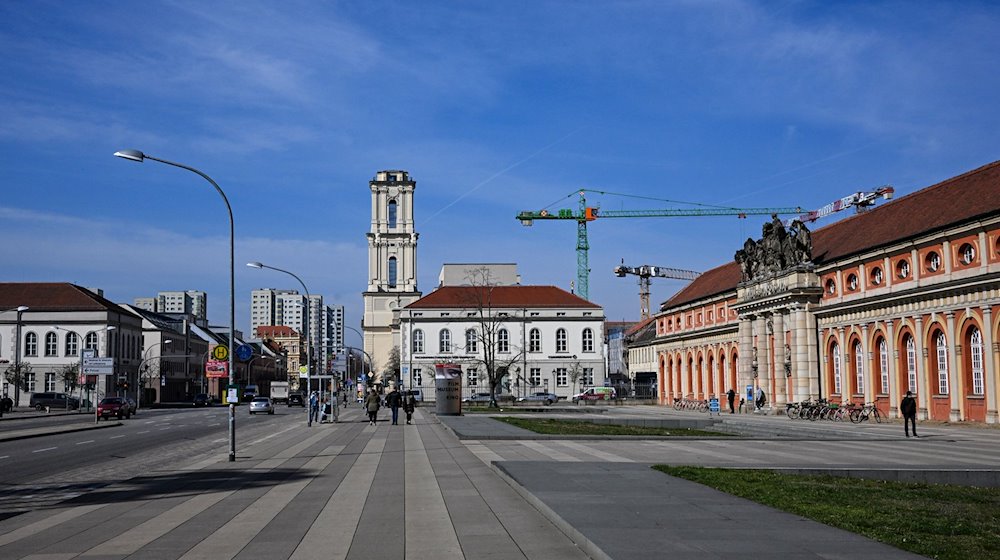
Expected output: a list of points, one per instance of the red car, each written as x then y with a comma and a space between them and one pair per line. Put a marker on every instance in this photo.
113, 406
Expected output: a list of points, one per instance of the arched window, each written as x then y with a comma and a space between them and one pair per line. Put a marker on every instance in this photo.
859, 368
588, 340
941, 346
418, 341
534, 341
471, 341
561, 340
883, 366
392, 213
91, 341
911, 364
835, 350
392, 272
444, 341
503, 341
51, 344
976, 358
31, 344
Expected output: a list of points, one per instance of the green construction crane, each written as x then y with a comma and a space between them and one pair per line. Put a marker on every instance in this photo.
590, 213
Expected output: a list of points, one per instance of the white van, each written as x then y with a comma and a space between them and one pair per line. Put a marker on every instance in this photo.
596, 394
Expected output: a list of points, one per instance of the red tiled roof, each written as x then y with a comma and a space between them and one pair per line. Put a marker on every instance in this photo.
501, 297
275, 331
960, 199
636, 327
52, 296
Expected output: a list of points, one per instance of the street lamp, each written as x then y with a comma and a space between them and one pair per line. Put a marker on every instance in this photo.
306, 322
17, 356
371, 365
136, 155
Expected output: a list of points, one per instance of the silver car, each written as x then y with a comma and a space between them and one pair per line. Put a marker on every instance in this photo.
261, 404
547, 398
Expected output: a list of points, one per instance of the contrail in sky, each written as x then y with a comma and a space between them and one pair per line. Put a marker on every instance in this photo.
502, 171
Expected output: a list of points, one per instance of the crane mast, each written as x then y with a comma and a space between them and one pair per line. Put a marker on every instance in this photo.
645, 272
590, 213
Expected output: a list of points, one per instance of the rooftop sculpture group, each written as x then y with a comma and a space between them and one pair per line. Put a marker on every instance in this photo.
778, 250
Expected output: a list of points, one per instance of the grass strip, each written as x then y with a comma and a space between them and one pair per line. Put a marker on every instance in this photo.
579, 427
934, 520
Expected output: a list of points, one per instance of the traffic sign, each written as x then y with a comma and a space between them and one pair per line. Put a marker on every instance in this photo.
98, 366
244, 352
220, 352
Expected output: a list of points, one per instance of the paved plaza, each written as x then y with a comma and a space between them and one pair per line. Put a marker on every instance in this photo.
470, 487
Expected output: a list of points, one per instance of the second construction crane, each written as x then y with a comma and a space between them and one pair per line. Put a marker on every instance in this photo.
645, 272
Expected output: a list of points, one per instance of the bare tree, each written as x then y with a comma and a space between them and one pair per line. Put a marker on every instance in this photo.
392, 368
575, 372
17, 375
495, 352
71, 377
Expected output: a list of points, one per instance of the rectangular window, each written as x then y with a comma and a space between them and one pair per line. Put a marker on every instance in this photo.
942, 361
473, 377
911, 366
50, 381
883, 365
535, 376
588, 377
418, 377
859, 369
562, 380
29, 380
836, 371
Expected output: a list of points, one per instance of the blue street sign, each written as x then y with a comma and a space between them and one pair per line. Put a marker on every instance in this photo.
244, 352
713, 405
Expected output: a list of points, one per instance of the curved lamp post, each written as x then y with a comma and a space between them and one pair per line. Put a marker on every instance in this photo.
306, 321
136, 155
141, 382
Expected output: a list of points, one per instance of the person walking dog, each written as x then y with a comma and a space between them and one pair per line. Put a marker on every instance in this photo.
908, 408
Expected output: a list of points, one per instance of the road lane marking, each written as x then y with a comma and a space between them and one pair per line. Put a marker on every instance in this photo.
143, 432
5, 456
83, 442
116, 437
46, 449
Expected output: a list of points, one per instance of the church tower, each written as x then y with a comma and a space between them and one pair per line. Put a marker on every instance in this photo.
392, 263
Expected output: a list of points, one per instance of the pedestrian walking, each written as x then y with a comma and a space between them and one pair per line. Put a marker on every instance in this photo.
761, 398
908, 408
731, 395
409, 404
325, 411
372, 404
313, 407
394, 400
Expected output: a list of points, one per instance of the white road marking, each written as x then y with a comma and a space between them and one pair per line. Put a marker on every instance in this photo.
143, 432
83, 442
5, 456
46, 449
116, 437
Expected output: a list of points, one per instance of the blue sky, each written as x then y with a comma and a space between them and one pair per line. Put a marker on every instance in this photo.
493, 107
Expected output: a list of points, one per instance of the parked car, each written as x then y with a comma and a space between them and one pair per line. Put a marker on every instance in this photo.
547, 398
296, 399
113, 406
39, 401
484, 398
202, 399
261, 404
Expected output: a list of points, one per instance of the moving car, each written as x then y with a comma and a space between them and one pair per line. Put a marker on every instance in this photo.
250, 393
50, 399
296, 399
596, 394
202, 399
547, 398
484, 398
113, 406
261, 404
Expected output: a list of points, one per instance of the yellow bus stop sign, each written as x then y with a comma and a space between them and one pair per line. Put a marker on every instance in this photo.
220, 352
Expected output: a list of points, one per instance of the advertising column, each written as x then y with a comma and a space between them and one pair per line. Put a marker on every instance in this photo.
448, 389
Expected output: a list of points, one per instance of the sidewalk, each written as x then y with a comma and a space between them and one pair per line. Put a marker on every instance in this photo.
350, 490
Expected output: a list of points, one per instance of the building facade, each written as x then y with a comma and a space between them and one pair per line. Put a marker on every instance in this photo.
190, 302
543, 338
392, 263
904, 297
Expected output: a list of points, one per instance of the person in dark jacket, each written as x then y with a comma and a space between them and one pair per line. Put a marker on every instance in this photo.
372, 403
394, 400
731, 395
908, 408
409, 405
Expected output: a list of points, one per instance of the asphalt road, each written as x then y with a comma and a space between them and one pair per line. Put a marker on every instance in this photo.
43, 471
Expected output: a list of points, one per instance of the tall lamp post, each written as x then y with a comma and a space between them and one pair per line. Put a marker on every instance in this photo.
306, 320
136, 155
17, 355
371, 365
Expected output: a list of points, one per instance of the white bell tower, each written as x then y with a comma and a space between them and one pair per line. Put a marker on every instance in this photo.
392, 263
